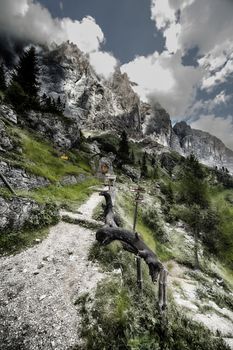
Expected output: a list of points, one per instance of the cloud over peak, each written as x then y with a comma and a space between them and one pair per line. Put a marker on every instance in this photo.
27, 21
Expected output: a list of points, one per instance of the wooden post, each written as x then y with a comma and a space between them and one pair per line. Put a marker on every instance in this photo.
7, 184
138, 198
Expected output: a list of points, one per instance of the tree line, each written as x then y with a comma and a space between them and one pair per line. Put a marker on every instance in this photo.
22, 91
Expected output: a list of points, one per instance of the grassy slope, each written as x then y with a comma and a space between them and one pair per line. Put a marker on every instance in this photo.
40, 158
222, 200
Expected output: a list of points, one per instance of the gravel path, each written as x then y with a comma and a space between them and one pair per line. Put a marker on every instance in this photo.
39, 287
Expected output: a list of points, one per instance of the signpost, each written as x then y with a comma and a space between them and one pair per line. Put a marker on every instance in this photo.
138, 198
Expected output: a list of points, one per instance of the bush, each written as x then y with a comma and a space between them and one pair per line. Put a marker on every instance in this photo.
151, 218
118, 318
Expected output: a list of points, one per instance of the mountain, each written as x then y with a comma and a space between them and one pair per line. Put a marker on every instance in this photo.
208, 148
95, 103
183, 139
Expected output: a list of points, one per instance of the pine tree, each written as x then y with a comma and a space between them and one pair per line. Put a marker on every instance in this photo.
194, 194
26, 73
193, 183
123, 150
144, 170
132, 157
153, 161
2, 78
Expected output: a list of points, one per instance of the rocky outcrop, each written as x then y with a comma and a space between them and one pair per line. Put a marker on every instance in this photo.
157, 125
207, 148
94, 103
19, 179
6, 143
8, 113
63, 132
18, 213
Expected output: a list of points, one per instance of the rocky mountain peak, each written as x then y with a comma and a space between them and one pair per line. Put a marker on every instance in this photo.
94, 102
182, 129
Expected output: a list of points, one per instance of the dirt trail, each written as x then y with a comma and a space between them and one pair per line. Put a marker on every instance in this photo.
40, 285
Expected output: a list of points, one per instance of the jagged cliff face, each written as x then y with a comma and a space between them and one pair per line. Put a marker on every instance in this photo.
185, 140
93, 102
207, 148
96, 104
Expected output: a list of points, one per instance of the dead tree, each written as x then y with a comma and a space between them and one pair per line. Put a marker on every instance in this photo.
133, 243
109, 215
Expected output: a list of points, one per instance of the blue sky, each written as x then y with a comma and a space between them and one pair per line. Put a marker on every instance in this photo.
178, 52
126, 24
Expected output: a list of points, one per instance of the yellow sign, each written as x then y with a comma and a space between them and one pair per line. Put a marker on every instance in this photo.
64, 157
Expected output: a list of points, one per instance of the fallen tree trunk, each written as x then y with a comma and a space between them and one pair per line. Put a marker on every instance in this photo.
108, 210
132, 243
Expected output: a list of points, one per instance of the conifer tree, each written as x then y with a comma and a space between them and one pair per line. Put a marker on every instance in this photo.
194, 193
132, 157
193, 184
153, 161
26, 73
144, 170
123, 150
2, 78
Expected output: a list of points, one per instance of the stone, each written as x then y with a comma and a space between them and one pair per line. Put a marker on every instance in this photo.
40, 266
18, 178
131, 172
18, 213
207, 148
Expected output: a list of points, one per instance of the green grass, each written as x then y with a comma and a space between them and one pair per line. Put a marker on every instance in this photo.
220, 200
41, 159
15, 242
71, 196
119, 317
149, 237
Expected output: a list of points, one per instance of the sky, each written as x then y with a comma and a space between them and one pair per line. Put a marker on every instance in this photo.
178, 52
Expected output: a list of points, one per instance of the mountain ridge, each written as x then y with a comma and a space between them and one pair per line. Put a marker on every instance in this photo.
94, 103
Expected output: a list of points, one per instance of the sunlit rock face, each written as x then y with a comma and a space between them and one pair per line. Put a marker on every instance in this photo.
157, 125
207, 148
94, 102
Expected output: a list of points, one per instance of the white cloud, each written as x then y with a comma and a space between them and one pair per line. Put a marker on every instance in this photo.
61, 5
207, 106
186, 24
162, 13
206, 25
86, 33
103, 62
209, 81
218, 126
30, 22
163, 78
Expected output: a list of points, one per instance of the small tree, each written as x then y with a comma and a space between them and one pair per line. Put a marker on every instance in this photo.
144, 169
123, 150
153, 161
194, 193
132, 157
2, 78
27, 72
17, 97
195, 220
193, 187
